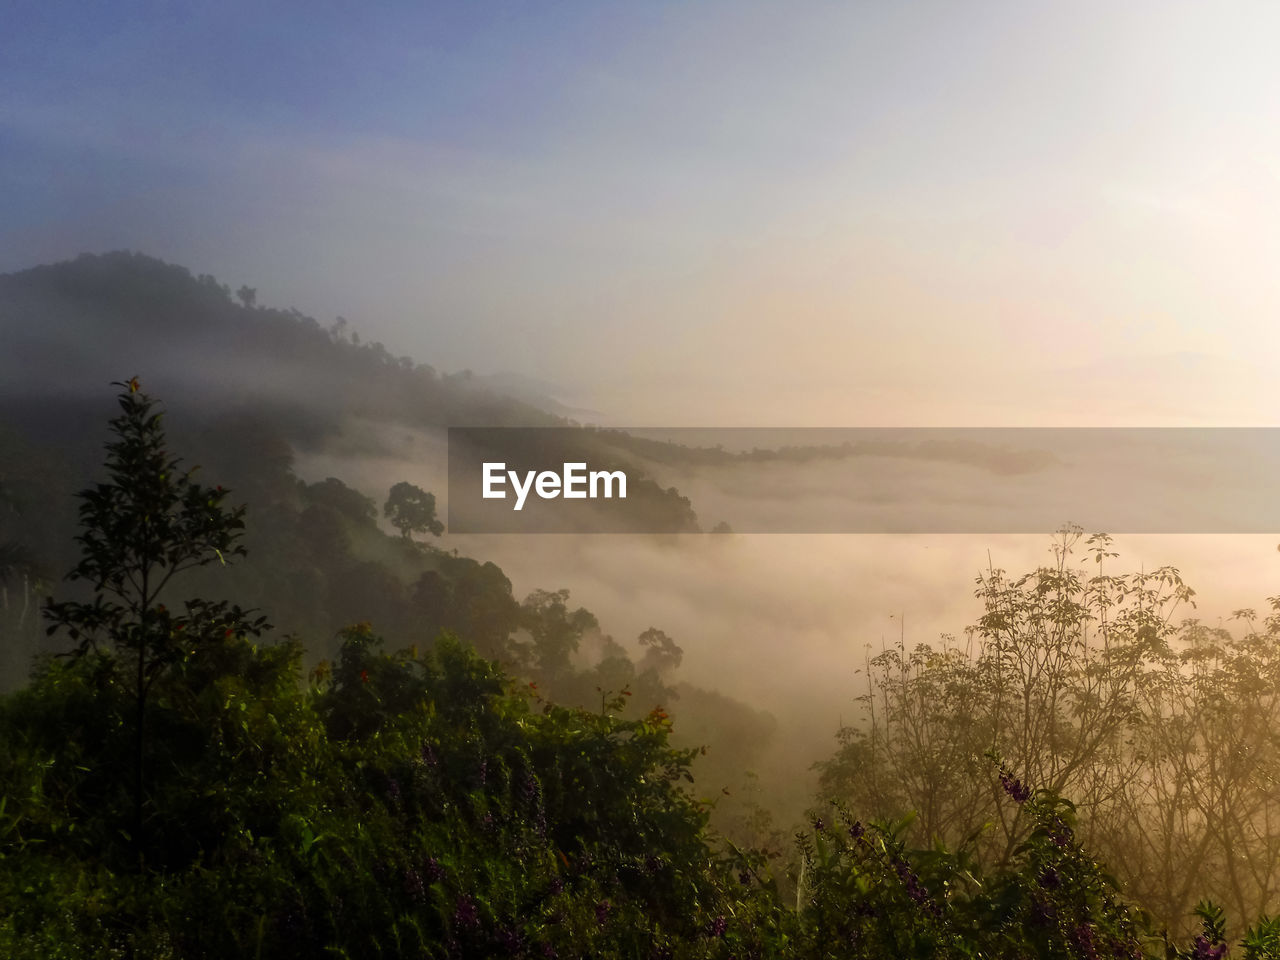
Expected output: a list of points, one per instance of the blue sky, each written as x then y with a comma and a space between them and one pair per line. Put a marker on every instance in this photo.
716, 212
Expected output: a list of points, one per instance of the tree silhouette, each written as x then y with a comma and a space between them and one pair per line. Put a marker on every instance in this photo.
148, 523
661, 652
412, 510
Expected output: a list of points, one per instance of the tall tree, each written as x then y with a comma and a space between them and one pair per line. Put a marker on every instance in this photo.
412, 510
148, 523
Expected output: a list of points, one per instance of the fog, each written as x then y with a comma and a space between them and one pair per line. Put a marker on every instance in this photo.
787, 622
857, 216
649, 217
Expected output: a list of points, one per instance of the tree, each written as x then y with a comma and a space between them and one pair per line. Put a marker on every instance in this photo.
412, 510
662, 654
148, 523
556, 631
17, 565
1165, 734
248, 296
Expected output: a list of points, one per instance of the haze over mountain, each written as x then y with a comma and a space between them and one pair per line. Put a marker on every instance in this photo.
783, 622
320, 237
727, 214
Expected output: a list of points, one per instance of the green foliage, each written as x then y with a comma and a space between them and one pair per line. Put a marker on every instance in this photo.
1165, 732
425, 804
399, 806
147, 524
865, 893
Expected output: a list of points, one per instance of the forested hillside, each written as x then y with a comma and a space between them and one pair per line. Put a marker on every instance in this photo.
248, 388
175, 787
271, 717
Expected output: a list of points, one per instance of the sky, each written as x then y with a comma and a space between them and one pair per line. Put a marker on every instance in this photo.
711, 214
723, 213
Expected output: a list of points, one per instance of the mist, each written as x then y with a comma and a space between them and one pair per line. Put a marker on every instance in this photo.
320, 240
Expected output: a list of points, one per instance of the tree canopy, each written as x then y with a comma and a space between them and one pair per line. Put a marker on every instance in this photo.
412, 510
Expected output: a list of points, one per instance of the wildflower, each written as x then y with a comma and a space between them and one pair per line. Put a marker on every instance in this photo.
1042, 913
1083, 936
602, 912
1014, 787
718, 926
413, 887
911, 883
1203, 949
510, 940
1059, 833
818, 825
465, 913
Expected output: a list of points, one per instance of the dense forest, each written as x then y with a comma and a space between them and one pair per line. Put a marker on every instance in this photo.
254, 722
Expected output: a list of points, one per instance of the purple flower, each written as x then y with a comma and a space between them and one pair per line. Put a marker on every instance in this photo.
915, 889
1129, 950
431, 870
602, 912
465, 913
718, 926
413, 888
1059, 833
1203, 949
1083, 936
510, 940
1014, 787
